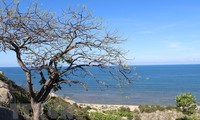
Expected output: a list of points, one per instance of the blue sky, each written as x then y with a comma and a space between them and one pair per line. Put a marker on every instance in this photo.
157, 31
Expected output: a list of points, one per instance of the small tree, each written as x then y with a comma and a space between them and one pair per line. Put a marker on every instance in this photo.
44, 42
186, 102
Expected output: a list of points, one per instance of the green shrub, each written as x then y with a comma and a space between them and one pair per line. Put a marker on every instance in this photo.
20, 97
56, 108
144, 108
112, 114
125, 112
170, 107
2, 77
136, 115
187, 103
102, 116
151, 108
124, 109
81, 115
136, 111
85, 109
159, 108
187, 118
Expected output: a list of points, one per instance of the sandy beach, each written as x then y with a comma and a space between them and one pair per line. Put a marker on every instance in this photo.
101, 107
98, 107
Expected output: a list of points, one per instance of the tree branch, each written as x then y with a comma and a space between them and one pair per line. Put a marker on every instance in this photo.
74, 82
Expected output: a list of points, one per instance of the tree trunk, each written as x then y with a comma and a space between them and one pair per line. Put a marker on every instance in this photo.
36, 106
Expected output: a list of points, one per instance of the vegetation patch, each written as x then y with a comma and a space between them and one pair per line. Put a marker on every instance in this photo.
186, 103
56, 108
20, 97
154, 108
188, 118
112, 114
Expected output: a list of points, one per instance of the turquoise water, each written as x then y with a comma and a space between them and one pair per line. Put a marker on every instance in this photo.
156, 84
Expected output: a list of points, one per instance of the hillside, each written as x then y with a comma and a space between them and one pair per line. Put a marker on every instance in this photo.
53, 108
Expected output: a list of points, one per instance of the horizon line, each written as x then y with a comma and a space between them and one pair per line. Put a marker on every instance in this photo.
138, 64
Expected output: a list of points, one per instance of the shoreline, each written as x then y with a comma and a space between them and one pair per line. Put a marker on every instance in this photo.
144, 91
101, 107
98, 107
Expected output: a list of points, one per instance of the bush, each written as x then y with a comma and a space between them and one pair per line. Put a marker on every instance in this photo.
85, 109
56, 108
187, 103
136, 115
20, 97
102, 116
112, 114
151, 108
125, 112
124, 109
187, 118
170, 107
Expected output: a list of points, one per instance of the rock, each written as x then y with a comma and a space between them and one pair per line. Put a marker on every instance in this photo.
1, 72
5, 94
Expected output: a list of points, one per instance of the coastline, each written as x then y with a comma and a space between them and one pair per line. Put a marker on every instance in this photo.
104, 107
163, 82
98, 107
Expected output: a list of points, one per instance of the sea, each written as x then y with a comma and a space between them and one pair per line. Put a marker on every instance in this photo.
153, 85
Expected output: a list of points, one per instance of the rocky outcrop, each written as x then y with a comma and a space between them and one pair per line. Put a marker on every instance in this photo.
5, 94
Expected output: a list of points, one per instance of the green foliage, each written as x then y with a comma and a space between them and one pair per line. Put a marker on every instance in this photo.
124, 109
3, 78
125, 112
85, 109
170, 107
112, 114
57, 108
151, 108
81, 115
136, 115
20, 97
54, 106
187, 103
19, 93
187, 118
102, 116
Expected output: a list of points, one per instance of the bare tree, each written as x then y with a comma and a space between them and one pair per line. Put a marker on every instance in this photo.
59, 45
